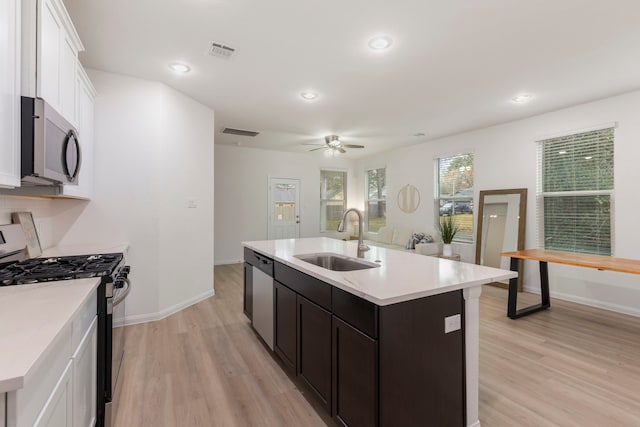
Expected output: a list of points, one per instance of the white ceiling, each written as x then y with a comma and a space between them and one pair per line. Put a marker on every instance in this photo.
454, 65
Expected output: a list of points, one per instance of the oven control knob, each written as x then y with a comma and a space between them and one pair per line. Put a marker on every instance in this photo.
119, 283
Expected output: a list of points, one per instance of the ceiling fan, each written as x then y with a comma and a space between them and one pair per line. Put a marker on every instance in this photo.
333, 143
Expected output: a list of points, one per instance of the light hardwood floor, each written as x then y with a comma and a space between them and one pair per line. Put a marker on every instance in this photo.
204, 366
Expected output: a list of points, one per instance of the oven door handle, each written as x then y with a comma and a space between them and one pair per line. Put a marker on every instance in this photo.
123, 294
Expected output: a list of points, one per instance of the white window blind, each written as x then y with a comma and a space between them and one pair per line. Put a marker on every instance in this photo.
575, 189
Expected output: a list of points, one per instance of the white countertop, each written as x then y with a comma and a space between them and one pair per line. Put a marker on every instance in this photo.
32, 316
402, 276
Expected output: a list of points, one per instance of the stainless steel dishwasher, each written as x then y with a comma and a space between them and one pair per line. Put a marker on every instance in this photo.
263, 297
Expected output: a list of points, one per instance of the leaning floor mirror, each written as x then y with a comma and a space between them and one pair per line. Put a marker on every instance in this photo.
501, 225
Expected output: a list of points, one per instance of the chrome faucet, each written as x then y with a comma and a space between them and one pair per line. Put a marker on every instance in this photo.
362, 248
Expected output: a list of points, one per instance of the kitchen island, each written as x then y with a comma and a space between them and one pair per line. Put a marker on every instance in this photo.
395, 344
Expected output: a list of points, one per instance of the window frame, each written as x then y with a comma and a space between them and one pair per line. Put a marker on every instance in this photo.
542, 195
324, 202
367, 199
438, 198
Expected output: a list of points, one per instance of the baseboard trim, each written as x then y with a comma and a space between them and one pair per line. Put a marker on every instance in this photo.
152, 317
227, 262
631, 311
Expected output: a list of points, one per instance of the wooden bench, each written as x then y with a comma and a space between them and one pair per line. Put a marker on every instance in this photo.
544, 256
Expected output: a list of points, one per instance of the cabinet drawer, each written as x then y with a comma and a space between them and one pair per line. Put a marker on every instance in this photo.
359, 313
309, 287
259, 261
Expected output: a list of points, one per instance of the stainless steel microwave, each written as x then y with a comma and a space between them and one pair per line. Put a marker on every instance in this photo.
50, 147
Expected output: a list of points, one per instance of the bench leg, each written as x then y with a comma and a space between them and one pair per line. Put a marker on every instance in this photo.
545, 303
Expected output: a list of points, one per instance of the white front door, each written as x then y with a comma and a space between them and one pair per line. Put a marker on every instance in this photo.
284, 208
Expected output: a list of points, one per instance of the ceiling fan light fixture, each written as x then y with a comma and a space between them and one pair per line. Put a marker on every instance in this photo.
332, 141
380, 43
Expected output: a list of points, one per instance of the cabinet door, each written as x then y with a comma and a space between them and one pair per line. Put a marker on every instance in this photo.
85, 365
314, 349
51, 32
68, 79
57, 58
285, 327
10, 93
248, 291
86, 93
57, 410
355, 374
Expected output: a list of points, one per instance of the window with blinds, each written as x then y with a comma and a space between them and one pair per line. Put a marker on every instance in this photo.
454, 193
575, 190
333, 198
375, 200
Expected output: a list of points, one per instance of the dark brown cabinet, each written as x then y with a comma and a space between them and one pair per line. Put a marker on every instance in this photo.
247, 307
354, 376
314, 349
422, 367
371, 365
285, 325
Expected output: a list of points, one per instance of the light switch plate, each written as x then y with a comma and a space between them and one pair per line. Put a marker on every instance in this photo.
452, 323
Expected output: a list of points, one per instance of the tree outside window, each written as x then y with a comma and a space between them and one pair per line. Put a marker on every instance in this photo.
333, 199
376, 199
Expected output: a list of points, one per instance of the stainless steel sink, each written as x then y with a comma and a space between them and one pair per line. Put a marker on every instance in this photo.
336, 262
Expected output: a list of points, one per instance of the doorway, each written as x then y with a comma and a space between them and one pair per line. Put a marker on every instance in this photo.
284, 208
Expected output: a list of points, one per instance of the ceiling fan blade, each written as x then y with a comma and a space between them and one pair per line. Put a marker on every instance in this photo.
342, 150
319, 148
311, 143
352, 146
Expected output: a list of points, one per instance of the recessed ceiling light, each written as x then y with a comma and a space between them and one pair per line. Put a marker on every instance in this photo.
178, 67
380, 43
308, 95
522, 99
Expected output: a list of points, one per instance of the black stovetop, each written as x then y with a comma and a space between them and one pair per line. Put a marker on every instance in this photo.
58, 268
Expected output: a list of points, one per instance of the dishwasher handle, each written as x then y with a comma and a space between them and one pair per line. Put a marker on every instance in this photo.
265, 264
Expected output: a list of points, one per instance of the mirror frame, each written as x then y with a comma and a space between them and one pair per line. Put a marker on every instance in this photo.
521, 227
411, 209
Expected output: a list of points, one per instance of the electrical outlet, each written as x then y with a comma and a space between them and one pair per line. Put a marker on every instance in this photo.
452, 323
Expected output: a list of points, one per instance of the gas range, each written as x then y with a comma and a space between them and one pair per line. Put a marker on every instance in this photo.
16, 268
58, 268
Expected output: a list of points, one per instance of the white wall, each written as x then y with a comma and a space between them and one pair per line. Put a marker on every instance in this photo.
505, 157
241, 189
153, 154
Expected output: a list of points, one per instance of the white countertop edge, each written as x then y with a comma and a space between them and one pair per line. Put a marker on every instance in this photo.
317, 272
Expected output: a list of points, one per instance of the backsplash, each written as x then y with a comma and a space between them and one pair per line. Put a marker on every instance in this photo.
42, 215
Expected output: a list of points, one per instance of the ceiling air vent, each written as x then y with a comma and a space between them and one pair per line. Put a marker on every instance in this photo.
241, 132
221, 51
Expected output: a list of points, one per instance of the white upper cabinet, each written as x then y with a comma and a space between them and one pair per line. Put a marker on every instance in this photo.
84, 103
50, 49
10, 93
